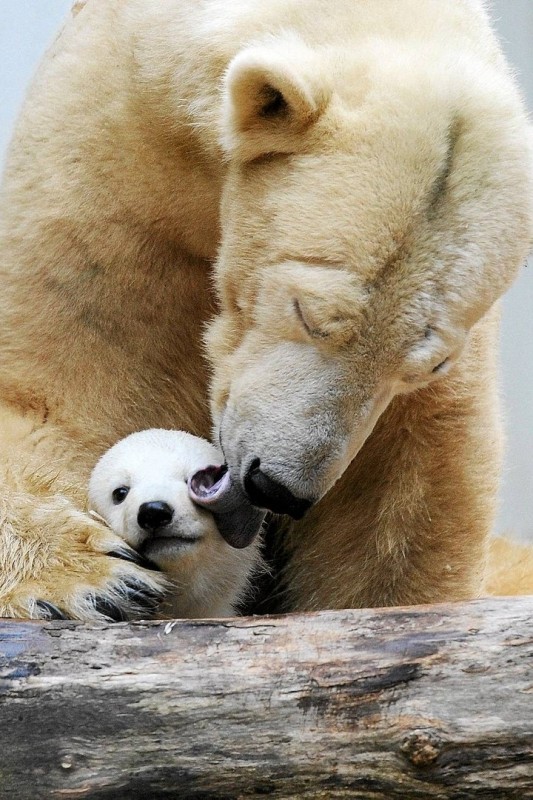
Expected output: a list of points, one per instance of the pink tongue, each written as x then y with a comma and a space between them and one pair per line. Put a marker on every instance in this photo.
237, 520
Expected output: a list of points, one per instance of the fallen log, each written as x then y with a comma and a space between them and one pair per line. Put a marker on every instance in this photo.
424, 702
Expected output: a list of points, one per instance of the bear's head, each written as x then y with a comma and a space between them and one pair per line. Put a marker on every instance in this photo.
376, 206
144, 488
141, 487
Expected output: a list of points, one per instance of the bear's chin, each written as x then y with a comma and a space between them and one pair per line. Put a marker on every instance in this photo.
238, 521
164, 548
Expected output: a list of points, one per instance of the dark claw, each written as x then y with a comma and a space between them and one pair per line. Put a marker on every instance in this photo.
137, 597
135, 558
109, 609
142, 595
49, 611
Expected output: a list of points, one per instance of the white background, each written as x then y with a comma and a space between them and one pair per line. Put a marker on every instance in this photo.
27, 26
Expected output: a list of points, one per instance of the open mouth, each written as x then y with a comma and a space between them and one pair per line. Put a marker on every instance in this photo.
209, 485
237, 520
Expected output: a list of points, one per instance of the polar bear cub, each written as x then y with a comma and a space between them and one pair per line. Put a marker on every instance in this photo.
140, 487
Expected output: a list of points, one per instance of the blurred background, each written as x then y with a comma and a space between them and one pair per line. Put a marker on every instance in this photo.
26, 28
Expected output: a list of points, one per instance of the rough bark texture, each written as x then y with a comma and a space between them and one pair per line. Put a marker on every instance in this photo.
426, 702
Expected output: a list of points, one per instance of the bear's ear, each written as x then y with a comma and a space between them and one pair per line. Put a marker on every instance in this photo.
270, 99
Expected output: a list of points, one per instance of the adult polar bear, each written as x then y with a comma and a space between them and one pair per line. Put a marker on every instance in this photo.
375, 182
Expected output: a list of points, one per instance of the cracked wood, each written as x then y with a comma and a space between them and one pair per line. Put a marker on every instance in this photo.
426, 702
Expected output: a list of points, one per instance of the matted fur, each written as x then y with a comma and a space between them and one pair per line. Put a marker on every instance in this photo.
374, 170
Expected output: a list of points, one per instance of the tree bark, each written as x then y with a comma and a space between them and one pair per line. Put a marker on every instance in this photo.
424, 702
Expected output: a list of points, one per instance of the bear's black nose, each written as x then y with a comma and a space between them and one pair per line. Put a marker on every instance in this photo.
265, 492
154, 515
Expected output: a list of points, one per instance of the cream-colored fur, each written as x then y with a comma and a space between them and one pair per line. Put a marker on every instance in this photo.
208, 576
510, 567
372, 168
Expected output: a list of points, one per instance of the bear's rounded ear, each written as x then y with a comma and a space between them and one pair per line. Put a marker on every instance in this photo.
270, 99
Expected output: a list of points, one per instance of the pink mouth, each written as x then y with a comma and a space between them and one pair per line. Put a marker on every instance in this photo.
238, 522
209, 485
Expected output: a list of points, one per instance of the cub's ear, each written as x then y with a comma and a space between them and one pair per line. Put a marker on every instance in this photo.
271, 96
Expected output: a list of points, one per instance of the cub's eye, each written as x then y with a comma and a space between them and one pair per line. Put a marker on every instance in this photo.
120, 494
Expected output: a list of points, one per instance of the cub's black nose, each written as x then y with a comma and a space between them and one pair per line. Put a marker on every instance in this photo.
265, 492
154, 515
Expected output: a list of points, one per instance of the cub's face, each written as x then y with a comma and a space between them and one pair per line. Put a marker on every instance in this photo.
140, 488
361, 244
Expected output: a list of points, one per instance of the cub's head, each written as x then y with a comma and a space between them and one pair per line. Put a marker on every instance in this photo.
141, 487
376, 206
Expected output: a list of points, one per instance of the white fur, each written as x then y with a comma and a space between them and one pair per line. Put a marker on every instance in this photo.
209, 576
361, 229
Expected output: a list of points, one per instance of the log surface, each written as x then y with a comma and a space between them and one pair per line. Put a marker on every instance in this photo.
426, 702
